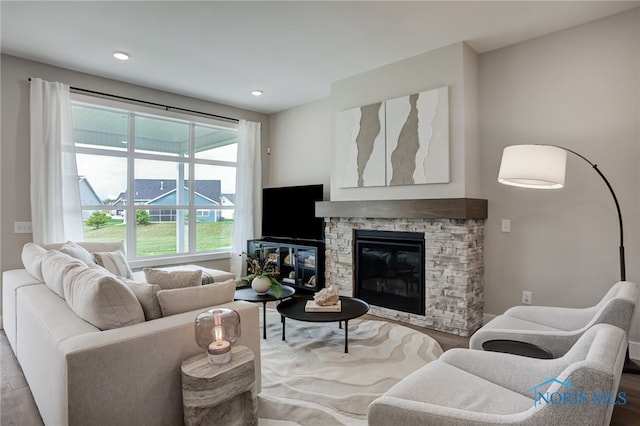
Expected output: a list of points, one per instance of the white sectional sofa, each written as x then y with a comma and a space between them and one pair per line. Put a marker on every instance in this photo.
80, 375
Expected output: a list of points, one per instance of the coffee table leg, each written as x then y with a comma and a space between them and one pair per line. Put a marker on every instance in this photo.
346, 336
264, 320
282, 327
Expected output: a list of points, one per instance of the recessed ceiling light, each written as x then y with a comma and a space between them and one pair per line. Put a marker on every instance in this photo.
121, 56
257, 92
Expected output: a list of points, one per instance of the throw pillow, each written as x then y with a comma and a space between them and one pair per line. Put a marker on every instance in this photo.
176, 301
32, 255
147, 295
101, 299
55, 265
114, 262
173, 279
75, 250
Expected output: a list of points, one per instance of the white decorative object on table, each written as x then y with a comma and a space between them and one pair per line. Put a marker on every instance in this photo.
326, 297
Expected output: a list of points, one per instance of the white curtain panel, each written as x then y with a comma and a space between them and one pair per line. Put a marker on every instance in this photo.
248, 192
56, 213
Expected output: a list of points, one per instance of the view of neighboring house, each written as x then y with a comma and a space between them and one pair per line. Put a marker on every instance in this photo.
162, 192
88, 196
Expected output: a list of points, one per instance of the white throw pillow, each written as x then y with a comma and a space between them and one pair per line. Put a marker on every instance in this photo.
101, 299
180, 300
173, 279
55, 265
114, 262
77, 251
32, 255
147, 295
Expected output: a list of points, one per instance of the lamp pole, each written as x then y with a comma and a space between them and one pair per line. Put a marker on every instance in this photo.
623, 273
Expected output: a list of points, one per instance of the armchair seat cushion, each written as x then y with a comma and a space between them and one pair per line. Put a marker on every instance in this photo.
448, 386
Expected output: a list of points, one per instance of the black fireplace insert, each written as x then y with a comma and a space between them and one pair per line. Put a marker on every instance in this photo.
389, 269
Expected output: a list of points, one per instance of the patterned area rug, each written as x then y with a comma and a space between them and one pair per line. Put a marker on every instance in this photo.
309, 380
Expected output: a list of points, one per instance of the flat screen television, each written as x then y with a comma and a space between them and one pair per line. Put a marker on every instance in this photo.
289, 212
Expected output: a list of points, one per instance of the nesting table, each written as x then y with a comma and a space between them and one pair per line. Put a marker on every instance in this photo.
351, 308
249, 295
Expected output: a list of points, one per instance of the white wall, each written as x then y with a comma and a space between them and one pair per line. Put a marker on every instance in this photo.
14, 152
578, 88
301, 146
448, 66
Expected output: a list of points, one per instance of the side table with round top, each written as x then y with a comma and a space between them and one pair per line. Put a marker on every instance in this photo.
249, 295
220, 395
351, 308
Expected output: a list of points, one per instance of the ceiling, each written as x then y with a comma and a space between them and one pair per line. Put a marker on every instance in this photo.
219, 51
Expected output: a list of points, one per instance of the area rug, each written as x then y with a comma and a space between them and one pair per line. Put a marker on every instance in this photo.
309, 380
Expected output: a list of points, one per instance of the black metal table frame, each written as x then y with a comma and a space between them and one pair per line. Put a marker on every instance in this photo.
264, 298
346, 320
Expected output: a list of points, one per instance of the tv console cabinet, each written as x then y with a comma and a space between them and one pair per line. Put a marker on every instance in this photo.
300, 262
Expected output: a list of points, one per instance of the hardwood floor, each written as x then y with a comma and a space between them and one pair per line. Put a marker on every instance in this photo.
17, 407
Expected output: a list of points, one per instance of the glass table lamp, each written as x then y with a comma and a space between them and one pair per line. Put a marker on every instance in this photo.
216, 330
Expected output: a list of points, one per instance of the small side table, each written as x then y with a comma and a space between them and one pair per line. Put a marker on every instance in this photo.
515, 347
249, 295
222, 394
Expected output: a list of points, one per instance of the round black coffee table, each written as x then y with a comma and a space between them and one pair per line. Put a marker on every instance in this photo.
249, 295
351, 308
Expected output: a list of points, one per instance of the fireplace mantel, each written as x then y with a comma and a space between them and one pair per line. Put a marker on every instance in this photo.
441, 208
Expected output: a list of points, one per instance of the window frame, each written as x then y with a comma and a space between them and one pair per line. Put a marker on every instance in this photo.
191, 160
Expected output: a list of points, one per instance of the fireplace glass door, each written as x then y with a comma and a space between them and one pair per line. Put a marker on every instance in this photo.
389, 269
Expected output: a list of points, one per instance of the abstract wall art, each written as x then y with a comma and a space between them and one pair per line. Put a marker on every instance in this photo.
402, 141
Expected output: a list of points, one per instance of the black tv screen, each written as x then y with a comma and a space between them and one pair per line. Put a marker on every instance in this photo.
289, 212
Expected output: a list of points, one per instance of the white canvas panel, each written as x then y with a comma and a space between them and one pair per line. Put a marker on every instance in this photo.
360, 153
418, 138
433, 113
347, 127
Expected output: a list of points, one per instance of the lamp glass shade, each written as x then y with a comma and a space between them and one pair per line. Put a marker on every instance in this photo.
533, 166
217, 324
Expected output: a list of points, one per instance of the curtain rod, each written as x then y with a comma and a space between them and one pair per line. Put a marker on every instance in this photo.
154, 104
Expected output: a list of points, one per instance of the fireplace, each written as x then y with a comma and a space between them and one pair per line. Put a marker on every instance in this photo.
389, 269
452, 231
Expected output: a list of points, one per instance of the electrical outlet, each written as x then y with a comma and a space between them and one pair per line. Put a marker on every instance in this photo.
506, 225
526, 297
22, 227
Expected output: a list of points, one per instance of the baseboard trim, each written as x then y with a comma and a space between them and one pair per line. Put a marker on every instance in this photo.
487, 317
1, 326
634, 350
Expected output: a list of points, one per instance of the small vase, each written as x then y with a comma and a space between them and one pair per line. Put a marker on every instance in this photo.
261, 285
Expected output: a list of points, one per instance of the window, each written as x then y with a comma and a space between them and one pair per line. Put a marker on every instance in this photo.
161, 183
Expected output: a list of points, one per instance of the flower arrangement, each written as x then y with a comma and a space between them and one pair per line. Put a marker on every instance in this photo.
258, 267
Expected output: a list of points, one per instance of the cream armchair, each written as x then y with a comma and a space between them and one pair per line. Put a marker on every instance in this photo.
556, 329
470, 387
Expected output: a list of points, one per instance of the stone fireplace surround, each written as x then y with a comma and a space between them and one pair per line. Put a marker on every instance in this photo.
454, 265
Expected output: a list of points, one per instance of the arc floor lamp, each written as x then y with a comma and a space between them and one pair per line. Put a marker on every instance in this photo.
543, 167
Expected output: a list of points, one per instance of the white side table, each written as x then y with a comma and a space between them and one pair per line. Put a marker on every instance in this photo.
220, 394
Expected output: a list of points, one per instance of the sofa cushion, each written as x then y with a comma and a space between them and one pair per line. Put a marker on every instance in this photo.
173, 279
114, 262
77, 251
180, 300
101, 299
32, 255
55, 265
147, 295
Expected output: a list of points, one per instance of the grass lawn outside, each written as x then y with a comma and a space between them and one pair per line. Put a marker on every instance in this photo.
160, 238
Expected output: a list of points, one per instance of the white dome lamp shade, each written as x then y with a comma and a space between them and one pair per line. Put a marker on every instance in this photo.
533, 166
